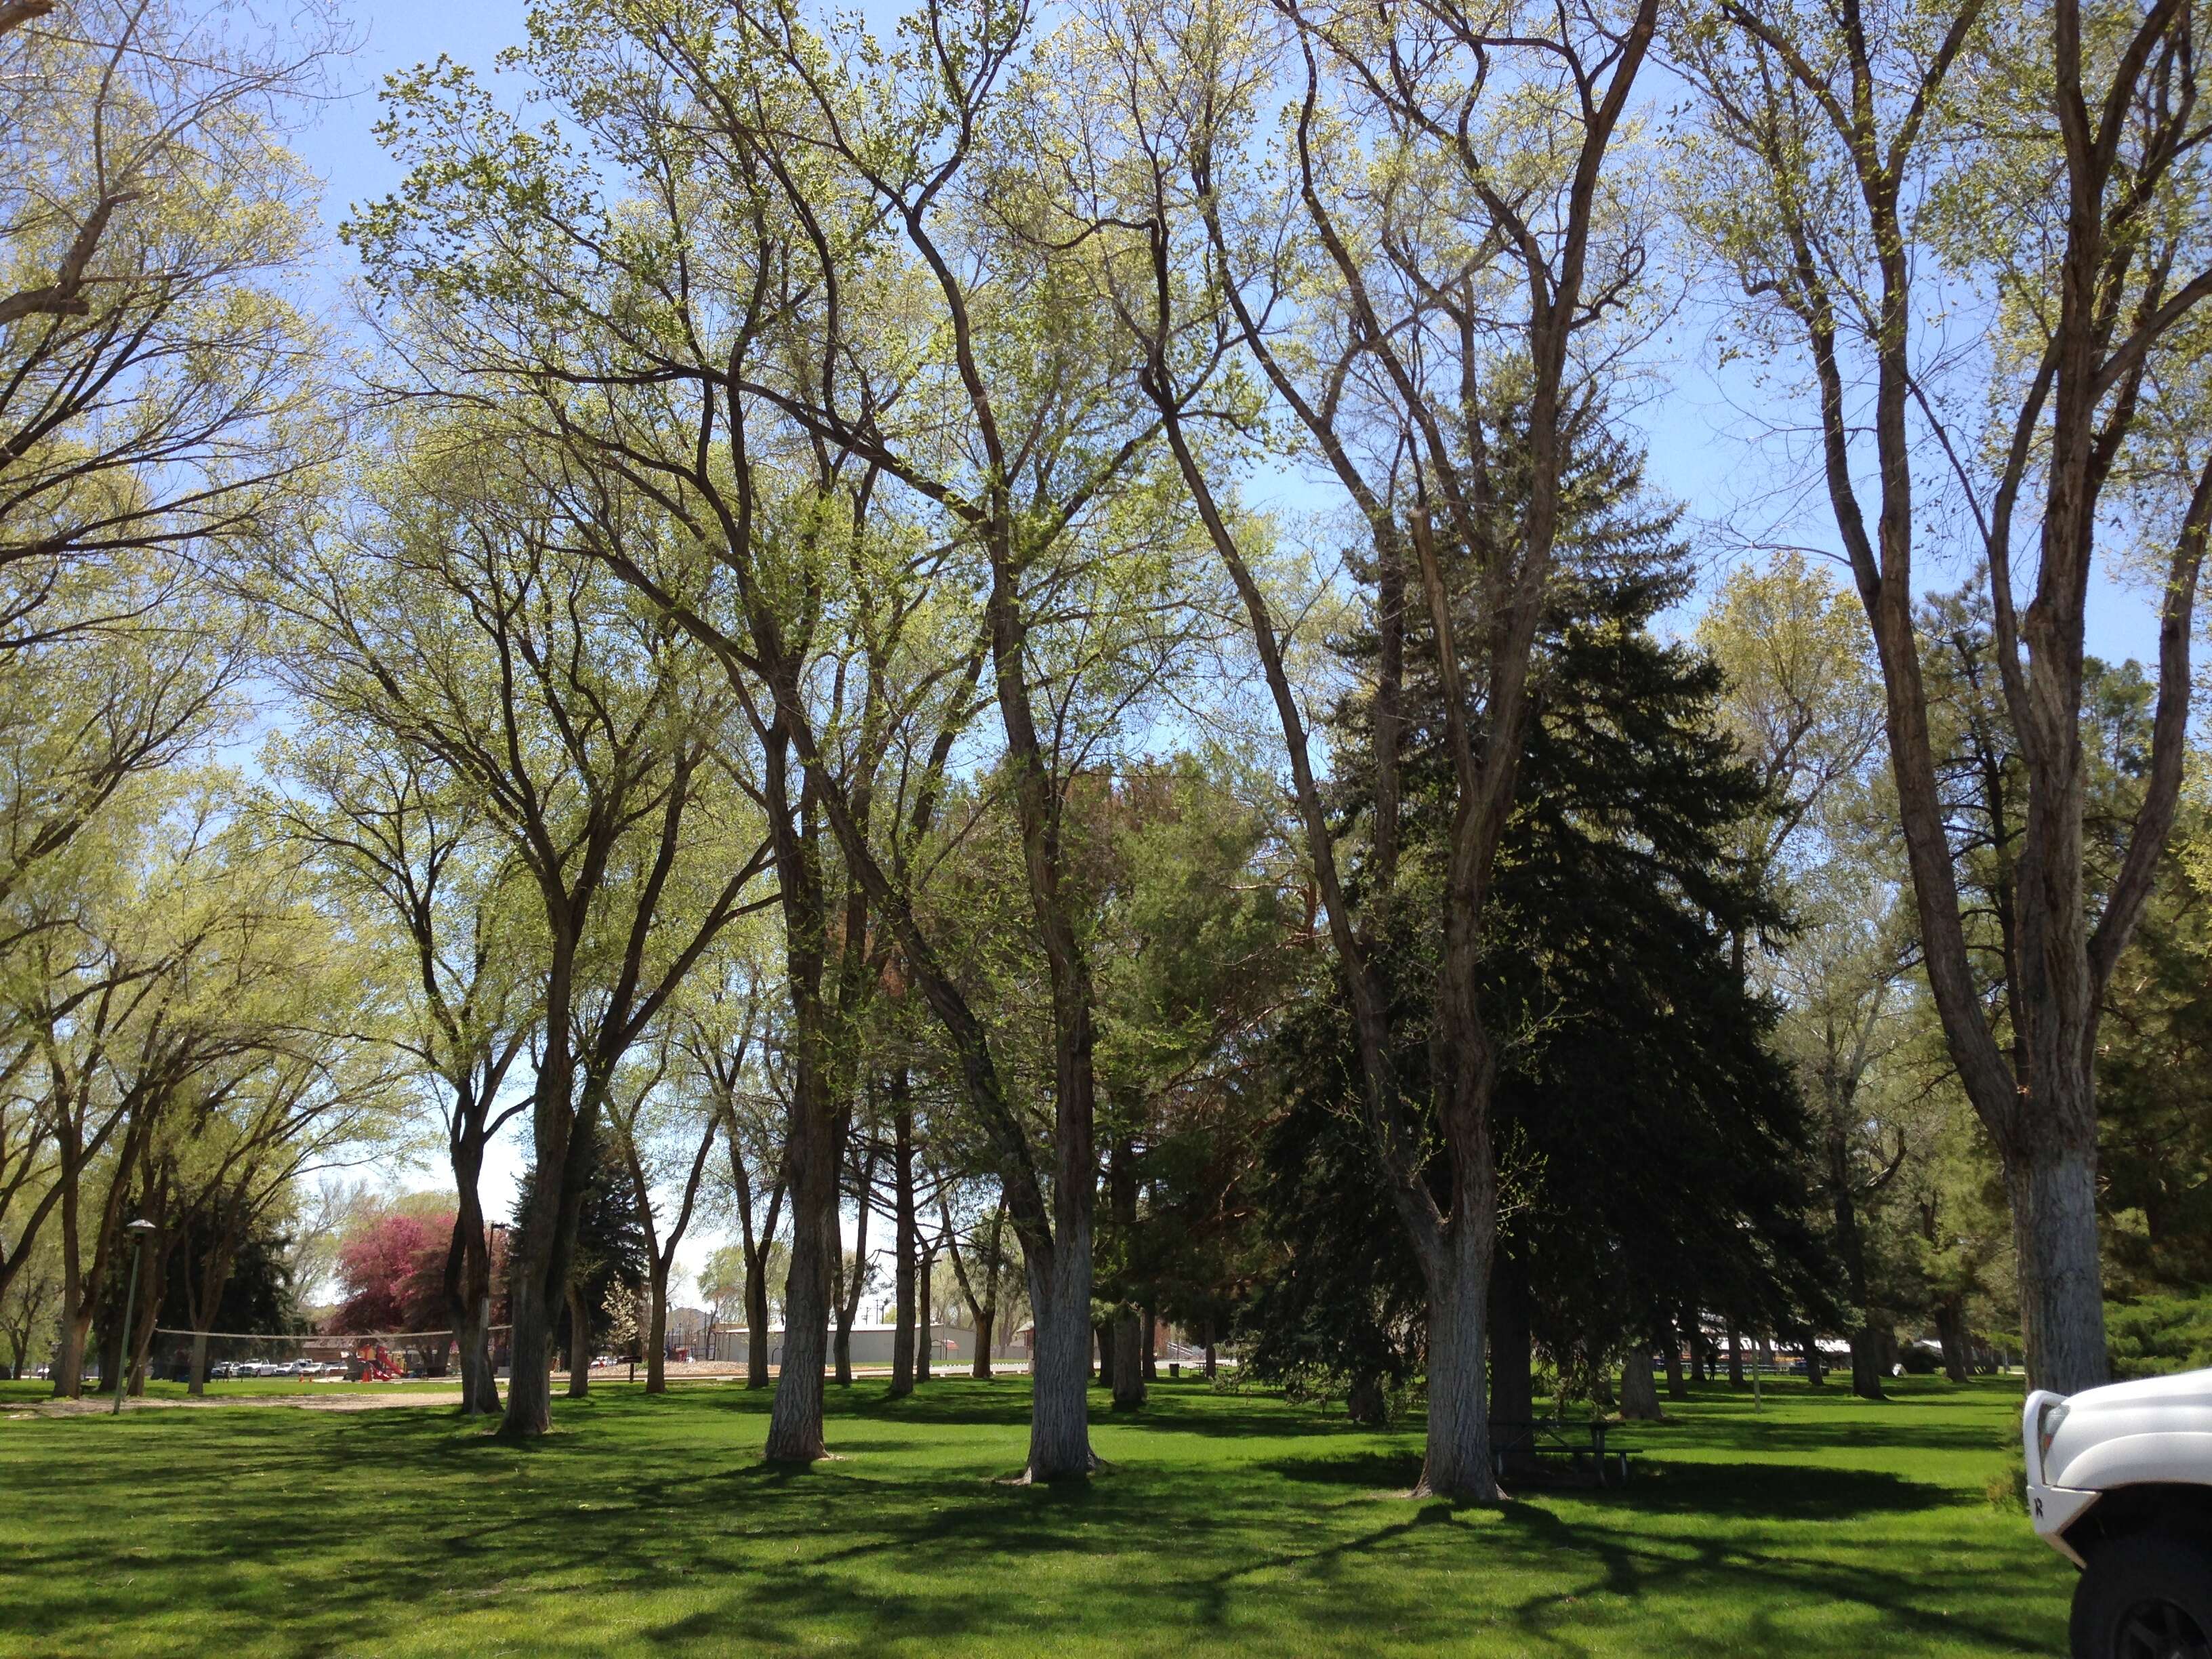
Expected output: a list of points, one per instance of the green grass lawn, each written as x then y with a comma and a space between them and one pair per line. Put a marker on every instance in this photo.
1822, 1525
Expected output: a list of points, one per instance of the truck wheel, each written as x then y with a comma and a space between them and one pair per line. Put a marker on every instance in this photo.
2146, 1597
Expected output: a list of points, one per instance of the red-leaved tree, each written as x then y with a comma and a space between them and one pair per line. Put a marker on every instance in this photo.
393, 1273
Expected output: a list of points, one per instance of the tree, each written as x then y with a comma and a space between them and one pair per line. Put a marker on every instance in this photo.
457, 614
1419, 308
433, 897
2044, 171
1028, 500
652, 1128
161, 406
392, 1273
1654, 1146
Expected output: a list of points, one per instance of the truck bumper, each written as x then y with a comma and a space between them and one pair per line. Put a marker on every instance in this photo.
2055, 1509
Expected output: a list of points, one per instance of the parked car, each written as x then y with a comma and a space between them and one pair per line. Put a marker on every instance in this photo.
2119, 1482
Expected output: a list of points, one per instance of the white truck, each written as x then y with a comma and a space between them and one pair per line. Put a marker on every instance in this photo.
2119, 1482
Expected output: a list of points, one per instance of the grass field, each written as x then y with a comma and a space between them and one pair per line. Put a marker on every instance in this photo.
1231, 1524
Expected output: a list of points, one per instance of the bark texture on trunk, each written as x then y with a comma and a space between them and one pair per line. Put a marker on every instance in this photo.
1059, 1414
925, 1316
2062, 1307
986, 1335
579, 1344
794, 1432
656, 1333
468, 1263
1640, 1390
1671, 1352
1456, 1464
1951, 1332
1866, 1363
1128, 1368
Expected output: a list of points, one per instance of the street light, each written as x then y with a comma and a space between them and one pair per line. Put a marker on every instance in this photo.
140, 1231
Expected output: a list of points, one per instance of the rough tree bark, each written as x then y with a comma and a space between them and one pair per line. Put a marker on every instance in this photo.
1639, 1392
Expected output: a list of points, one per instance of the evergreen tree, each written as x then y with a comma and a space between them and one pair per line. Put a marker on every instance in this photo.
1652, 1148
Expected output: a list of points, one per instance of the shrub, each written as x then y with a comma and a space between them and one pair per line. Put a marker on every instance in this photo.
2159, 1334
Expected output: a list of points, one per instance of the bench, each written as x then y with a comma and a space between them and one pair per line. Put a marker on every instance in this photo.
1580, 1446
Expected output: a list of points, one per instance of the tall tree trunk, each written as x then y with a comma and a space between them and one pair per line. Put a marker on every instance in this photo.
656, 1337
1816, 1369
908, 1235
1102, 1335
854, 1277
986, 1335
1951, 1332
1639, 1393
1458, 1460
580, 1343
468, 1284
757, 1326
1128, 1360
1672, 1352
1059, 1292
75, 1321
925, 1330
2061, 1311
794, 1433
1866, 1363
1152, 1346
543, 1248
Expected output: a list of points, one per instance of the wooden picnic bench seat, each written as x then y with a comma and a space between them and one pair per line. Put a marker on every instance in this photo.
1582, 1446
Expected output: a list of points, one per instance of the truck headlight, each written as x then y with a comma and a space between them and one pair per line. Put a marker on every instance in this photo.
2046, 1431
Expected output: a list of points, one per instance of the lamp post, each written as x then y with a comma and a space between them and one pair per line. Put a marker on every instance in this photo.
140, 1231
491, 1261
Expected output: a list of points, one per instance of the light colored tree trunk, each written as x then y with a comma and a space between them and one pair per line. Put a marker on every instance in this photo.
1456, 1464
1059, 1415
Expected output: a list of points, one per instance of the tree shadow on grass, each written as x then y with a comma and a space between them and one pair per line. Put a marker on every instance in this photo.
1371, 1471
658, 1520
1762, 1491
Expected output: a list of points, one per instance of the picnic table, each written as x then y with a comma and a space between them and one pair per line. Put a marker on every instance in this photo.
1581, 1445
